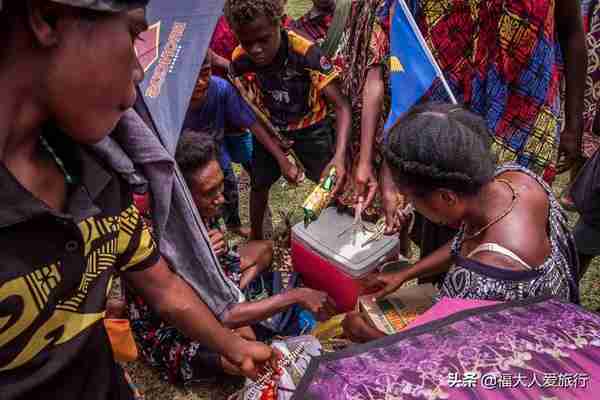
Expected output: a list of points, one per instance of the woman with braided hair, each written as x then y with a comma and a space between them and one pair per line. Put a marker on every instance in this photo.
513, 240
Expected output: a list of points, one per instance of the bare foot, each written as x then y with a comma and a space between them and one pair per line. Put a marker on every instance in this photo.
242, 231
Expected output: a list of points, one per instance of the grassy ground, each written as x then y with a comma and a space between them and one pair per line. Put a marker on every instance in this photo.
284, 198
297, 8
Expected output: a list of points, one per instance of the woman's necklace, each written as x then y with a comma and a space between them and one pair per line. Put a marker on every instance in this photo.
68, 177
515, 197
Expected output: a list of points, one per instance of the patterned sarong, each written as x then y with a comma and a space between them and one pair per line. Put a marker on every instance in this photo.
537, 348
364, 45
591, 19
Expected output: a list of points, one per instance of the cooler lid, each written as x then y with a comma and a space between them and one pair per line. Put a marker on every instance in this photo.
323, 236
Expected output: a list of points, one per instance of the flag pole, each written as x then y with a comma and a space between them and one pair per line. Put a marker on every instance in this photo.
428, 52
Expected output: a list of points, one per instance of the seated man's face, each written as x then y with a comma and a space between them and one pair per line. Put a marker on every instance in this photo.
206, 185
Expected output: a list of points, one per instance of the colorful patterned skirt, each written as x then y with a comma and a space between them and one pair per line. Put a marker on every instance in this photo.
501, 60
364, 45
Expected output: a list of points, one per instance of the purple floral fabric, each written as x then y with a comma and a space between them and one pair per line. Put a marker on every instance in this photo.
534, 349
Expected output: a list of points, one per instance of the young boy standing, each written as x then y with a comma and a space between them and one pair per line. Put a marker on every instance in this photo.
291, 82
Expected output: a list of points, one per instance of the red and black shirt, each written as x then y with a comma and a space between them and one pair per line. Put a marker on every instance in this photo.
289, 90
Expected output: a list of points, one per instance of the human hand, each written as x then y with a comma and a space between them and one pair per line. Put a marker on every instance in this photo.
249, 274
290, 171
392, 205
392, 201
365, 185
250, 358
317, 302
569, 150
229, 368
379, 285
217, 240
358, 330
245, 332
340, 172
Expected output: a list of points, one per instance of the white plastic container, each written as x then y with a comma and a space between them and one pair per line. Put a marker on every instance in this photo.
334, 263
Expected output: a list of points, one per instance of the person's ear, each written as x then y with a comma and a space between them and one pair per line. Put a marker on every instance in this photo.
43, 20
449, 197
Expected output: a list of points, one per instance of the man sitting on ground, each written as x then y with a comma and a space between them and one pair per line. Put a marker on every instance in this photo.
182, 360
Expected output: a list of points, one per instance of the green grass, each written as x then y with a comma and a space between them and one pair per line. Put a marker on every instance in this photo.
297, 8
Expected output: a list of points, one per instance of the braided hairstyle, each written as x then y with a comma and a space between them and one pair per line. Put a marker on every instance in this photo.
441, 146
243, 12
194, 151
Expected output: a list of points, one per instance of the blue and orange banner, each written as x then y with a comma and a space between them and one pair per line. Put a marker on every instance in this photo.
171, 52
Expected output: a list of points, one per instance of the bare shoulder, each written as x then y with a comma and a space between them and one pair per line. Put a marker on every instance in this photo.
524, 231
528, 189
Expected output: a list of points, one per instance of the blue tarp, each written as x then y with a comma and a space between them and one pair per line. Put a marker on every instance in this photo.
171, 52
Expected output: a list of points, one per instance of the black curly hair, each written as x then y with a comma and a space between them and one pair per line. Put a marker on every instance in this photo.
441, 146
194, 151
243, 12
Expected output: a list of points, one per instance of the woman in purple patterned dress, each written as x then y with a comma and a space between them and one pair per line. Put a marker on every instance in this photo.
514, 241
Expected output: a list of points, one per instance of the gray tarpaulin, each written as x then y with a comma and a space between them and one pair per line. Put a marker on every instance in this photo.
171, 53
136, 153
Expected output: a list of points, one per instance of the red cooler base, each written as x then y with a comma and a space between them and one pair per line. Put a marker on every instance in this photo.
322, 274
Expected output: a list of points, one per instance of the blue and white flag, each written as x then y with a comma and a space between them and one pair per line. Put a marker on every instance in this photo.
413, 67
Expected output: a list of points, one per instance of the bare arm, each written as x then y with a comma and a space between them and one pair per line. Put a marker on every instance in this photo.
249, 313
436, 263
269, 142
372, 95
569, 25
179, 305
382, 284
289, 170
343, 123
343, 118
252, 312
